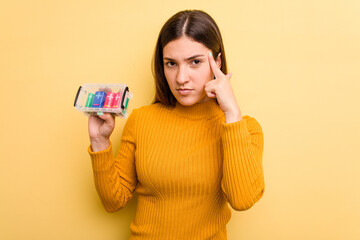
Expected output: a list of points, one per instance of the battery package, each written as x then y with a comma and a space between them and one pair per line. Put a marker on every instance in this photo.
112, 98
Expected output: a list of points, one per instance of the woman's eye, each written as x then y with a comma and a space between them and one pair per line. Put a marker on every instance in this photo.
171, 64
196, 61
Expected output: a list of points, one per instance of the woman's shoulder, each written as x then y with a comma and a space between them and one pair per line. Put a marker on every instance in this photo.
149, 110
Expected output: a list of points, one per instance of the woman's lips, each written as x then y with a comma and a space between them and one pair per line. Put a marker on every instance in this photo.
184, 91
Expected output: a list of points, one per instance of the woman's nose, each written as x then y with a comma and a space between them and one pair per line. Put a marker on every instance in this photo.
182, 75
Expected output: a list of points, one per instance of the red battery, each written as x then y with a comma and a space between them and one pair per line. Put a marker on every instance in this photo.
117, 100
109, 100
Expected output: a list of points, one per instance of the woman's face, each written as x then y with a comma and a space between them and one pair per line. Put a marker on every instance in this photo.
187, 70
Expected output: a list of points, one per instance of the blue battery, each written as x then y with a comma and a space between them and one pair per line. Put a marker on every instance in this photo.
99, 99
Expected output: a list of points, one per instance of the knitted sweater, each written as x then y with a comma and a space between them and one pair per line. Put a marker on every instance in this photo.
185, 164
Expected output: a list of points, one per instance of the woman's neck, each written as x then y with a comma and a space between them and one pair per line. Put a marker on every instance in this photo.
201, 110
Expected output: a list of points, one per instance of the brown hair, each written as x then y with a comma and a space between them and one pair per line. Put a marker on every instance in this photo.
196, 25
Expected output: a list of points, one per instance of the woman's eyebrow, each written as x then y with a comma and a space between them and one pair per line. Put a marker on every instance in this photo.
187, 59
167, 58
195, 56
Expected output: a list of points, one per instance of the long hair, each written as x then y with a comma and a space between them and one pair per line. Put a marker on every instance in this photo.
194, 24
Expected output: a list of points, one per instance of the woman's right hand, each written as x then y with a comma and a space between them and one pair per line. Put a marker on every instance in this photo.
100, 129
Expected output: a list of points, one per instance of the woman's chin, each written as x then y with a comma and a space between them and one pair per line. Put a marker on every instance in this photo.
191, 101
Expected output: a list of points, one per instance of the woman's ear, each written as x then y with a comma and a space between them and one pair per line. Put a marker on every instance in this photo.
218, 60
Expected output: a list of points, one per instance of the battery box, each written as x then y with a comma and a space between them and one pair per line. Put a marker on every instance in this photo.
112, 98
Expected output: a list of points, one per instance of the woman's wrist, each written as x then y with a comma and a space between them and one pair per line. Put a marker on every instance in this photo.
233, 116
99, 144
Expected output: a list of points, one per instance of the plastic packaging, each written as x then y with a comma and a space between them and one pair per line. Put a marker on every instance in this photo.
100, 98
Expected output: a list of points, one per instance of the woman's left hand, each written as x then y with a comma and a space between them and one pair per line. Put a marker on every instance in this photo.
221, 89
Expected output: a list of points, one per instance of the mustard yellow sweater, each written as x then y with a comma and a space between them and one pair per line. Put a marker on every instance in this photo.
186, 164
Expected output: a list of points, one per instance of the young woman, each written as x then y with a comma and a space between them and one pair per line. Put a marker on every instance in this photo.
191, 152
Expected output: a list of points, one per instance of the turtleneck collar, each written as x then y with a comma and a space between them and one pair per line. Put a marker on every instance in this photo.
203, 110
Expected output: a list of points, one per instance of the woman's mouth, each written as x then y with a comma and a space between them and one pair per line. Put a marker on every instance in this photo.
184, 91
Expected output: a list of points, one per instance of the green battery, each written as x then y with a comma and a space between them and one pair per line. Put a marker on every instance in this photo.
90, 100
125, 107
126, 104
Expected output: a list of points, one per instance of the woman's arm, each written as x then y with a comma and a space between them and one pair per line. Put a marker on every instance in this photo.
243, 178
115, 178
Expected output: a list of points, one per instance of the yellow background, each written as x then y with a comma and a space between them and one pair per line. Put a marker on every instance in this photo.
296, 69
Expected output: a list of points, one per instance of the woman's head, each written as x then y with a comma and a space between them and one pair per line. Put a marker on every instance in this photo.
195, 27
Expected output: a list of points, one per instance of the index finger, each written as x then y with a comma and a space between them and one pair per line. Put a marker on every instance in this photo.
215, 69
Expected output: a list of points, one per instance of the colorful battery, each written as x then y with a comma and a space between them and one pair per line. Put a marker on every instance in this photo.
99, 99
117, 100
110, 97
125, 106
126, 103
89, 100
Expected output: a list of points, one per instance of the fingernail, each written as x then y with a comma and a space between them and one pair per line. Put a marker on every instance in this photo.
100, 113
210, 54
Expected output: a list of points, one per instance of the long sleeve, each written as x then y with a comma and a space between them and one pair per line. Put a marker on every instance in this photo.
186, 166
243, 179
115, 178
